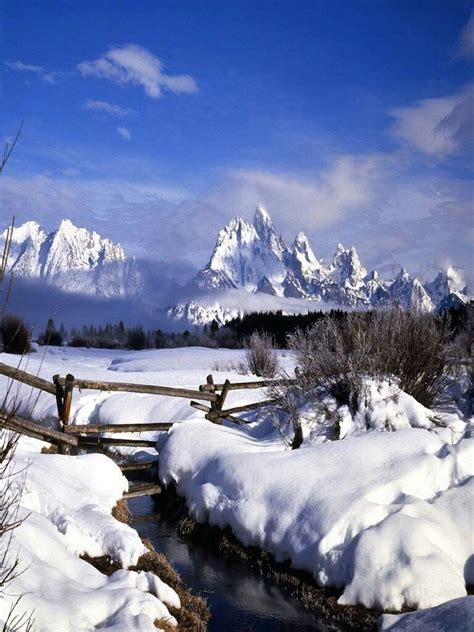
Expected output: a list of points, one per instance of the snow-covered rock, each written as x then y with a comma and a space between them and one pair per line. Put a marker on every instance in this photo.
449, 281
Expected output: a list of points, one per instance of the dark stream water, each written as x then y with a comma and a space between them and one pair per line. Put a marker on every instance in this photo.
238, 597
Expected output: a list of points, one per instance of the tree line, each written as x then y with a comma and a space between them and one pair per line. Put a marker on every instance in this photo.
278, 326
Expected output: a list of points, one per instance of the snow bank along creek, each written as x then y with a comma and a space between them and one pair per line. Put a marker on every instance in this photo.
384, 518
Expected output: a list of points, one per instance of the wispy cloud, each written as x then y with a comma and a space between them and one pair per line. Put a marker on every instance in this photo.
465, 47
437, 127
19, 66
104, 107
124, 133
135, 65
349, 184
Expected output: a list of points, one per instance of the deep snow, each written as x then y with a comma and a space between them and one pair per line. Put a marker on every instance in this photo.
65, 505
385, 514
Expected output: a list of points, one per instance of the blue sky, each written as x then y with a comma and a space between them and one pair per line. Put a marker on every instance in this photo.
156, 122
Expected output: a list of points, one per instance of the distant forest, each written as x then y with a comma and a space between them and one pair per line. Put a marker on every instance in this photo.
233, 335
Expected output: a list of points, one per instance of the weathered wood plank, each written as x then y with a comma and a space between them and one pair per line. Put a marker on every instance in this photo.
18, 424
198, 406
223, 395
239, 409
133, 467
27, 378
149, 389
147, 489
233, 418
91, 441
117, 428
242, 386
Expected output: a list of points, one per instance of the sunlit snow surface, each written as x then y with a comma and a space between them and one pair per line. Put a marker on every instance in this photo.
385, 514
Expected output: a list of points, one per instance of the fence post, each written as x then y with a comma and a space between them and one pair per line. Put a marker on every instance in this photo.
223, 395
63, 401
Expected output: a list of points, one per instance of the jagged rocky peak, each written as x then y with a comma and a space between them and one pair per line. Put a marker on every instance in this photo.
244, 254
303, 266
28, 230
409, 293
449, 281
72, 258
346, 266
73, 248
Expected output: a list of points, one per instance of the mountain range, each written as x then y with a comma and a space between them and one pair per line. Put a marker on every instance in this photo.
73, 259
253, 257
248, 260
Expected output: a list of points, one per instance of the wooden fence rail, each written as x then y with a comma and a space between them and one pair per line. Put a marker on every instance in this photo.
242, 386
32, 429
116, 428
149, 389
27, 378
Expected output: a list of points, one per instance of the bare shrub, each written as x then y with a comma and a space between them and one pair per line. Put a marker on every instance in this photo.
287, 400
409, 346
15, 335
260, 356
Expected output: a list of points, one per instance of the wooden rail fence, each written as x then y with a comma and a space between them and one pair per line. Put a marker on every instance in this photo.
89, 435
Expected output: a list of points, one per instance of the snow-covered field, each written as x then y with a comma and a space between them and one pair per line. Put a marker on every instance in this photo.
384, 515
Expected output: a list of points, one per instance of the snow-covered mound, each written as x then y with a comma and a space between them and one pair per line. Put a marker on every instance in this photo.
65, 506
453, 616
73, 259
383, 515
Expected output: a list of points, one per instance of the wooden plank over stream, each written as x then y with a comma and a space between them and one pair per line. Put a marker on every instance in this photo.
143, 489
98, 441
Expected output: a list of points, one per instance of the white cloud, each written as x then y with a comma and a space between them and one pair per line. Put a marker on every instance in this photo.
21, 67
50, 77
437, 127
465, 47
348, 185
107, 108
124, 133
136, 65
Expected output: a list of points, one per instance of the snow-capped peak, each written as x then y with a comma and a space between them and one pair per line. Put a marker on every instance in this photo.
28, 230
346, 267
75, 259
303, 260
262, 218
